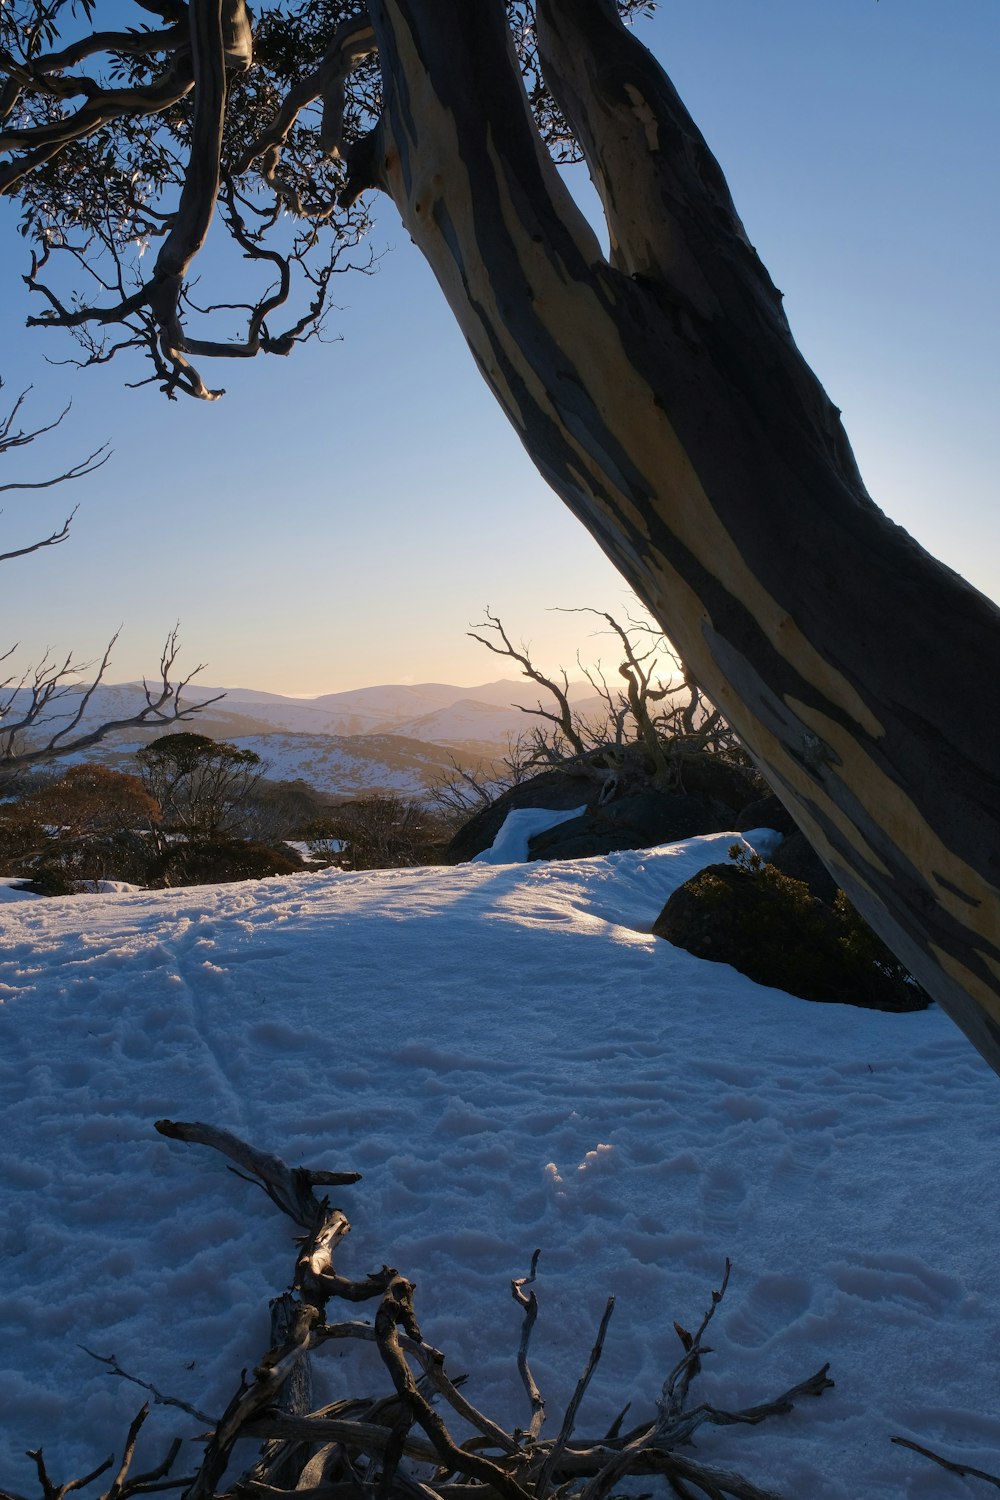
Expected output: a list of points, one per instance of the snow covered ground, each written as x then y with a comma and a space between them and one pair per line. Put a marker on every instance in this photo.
512, 1061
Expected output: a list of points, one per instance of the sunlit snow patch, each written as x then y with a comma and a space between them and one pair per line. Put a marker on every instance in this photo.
510, 847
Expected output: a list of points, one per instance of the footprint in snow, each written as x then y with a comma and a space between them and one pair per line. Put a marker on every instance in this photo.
771, 1306
903, 1280
722, 1195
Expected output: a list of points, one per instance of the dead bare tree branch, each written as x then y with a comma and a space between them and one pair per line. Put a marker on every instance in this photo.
355, 1446
666, 717
114, 1368
965, 1471
564, 719
530, 1304
44, 709
29, 704
124, 1485
13, 437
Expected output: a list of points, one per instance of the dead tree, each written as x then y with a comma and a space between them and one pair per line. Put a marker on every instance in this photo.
657, 388
662, 716
567, 733
43, 712
44, 709
683, 725
355, 1446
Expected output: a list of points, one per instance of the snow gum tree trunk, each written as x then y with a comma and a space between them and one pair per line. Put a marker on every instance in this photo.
659, 392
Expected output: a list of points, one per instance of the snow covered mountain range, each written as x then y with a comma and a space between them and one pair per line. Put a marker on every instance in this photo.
394, 737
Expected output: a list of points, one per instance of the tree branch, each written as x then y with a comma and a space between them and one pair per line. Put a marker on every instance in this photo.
529, 1302
964, 1470
564, 718
201, 186
163, 706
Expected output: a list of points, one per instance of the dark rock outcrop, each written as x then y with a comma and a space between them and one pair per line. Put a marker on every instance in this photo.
637, 821
558, 789
797, 858
766, 812
625, 809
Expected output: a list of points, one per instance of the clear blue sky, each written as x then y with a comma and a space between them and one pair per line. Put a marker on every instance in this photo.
340, 517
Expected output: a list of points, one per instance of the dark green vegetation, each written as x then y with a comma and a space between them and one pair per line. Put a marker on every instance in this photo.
199, 812
774, 930
202, 785
213, 861
378, 832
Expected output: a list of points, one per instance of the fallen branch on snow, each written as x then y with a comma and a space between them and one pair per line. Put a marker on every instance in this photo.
946, 1463
355, 1449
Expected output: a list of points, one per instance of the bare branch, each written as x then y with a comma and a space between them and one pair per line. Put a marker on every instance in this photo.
114, 1368
52, 540
964, 1470
564, 718
53, 682
290, 1188
397, 1308
88, 465
355, 1446
551, 1464
12, 437
674, 1395
530, 1304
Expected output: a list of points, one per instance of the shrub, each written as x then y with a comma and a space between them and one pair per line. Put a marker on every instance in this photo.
217, 861
90, 824
277, 810
772, 929
322, 835
50, 880
202, 785
382, 832
20, 837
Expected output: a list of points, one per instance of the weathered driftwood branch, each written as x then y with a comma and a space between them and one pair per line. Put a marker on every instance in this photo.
380, 1433
530, 1304
554, 1457
159, 1399
354, 1448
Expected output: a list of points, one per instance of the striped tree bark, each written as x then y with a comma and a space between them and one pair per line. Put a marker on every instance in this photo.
660, 393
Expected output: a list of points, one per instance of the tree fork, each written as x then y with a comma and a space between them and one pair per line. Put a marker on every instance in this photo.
664, 400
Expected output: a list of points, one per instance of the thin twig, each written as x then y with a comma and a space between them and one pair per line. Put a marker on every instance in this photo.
677, 1384
114, 1368
530, 1304
569, 1420
953, 1468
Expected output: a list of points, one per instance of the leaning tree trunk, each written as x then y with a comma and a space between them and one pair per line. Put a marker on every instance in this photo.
662, 396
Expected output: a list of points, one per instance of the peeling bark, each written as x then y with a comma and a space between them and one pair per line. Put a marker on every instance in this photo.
660, 393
